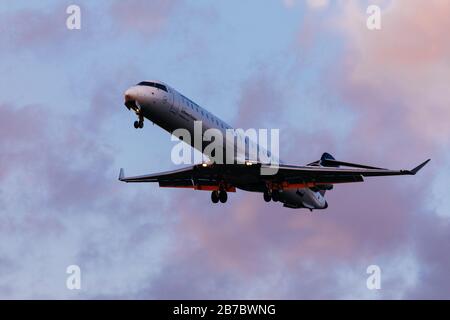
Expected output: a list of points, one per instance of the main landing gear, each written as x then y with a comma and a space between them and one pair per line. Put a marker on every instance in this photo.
217, 196
271, 195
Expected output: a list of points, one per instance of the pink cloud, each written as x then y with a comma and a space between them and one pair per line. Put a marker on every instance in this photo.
42, 31
398, 76
247, 240
33, 28
234, 250
256, 103
147, 18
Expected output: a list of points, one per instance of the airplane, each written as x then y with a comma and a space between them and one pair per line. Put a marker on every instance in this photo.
292, 185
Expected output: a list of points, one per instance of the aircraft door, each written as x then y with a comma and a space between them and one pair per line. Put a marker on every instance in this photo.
175, 107
167, 98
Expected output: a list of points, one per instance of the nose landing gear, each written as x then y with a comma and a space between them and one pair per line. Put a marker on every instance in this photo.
131, 104
139, 124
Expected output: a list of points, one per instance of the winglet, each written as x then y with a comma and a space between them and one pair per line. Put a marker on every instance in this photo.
420, 166
121, 174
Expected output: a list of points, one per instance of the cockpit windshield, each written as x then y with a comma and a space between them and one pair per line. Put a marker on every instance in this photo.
153, 84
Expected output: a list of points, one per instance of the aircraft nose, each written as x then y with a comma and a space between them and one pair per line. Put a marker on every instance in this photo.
131, 96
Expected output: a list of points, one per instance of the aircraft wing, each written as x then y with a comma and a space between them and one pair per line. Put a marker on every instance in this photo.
313, 175
215, 176
199, 177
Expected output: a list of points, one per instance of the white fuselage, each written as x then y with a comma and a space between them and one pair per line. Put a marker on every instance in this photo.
171, 110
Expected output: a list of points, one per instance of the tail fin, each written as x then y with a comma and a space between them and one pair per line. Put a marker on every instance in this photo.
327, 160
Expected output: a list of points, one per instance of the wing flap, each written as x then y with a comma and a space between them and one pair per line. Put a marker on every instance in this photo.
180, 174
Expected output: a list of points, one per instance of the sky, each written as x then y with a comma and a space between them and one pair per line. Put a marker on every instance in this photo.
309, 68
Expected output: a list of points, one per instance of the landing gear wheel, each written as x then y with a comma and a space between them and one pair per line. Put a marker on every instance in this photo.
275, 195
223, 196
214, 196
139, 123
267, 196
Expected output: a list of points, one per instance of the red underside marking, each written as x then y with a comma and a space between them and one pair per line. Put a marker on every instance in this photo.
286, 185
204, 188
281, 186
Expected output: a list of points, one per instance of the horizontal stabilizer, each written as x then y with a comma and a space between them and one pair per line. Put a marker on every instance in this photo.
327, 160
334, 163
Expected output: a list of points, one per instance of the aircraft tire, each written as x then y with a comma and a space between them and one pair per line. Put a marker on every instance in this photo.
223, 197
275, 195
214, 197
